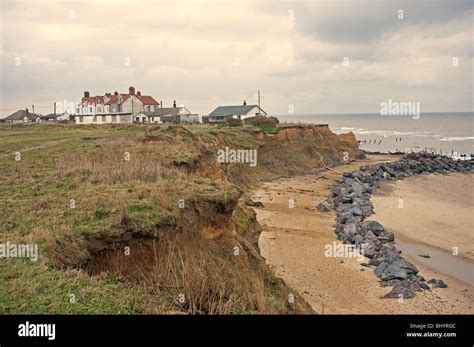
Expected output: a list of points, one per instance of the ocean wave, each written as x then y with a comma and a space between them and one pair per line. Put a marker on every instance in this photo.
389, 133
457, 138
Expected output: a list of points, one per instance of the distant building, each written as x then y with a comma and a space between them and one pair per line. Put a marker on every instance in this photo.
239, 112
22, 116
175, 114
114, 108
48, 118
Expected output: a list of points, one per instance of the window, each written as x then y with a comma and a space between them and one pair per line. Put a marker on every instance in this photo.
104, 119
81, 119
152, 119
114, 119
148, 108
90, 109
99, 109
156, 108
94, 119
114, 108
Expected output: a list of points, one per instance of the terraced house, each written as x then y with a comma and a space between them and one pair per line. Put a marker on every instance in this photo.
114, 108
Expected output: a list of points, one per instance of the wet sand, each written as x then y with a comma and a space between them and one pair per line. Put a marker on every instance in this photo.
293, 242
436, 210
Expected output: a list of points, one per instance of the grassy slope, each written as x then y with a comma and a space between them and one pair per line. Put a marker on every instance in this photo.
114, 196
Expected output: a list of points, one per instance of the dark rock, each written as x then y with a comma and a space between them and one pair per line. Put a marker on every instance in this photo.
396, 292
379, 270
346, 199
373, 226
424, 255
355, 211
436, 283
424, 286
412, 285
251, 203
386, 236
393, 270
322, 207
420, 278
390, 283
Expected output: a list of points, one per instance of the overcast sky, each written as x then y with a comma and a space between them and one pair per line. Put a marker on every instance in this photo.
205, 54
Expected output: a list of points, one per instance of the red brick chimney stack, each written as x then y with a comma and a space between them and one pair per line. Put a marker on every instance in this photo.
131, 90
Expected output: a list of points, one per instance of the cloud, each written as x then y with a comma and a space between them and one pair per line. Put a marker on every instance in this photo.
208, 53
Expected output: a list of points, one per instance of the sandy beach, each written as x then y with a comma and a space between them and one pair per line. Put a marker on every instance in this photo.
294, 239
439, 206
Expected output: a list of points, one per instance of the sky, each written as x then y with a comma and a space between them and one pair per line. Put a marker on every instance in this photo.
305, 57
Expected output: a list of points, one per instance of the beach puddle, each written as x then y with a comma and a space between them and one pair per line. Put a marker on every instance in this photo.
439, 260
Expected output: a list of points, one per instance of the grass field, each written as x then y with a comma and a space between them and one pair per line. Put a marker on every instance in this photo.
71, 185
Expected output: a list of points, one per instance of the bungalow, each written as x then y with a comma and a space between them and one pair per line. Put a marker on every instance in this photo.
48, 118
22, 116
148, 117
239, 112
175, 114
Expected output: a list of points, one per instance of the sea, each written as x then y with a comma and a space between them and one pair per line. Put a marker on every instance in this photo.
445, 133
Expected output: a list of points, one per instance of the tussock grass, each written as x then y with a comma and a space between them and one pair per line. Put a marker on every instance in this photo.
115, 197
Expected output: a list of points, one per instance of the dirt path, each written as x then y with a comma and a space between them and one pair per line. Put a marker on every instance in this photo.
293, 242
40, 146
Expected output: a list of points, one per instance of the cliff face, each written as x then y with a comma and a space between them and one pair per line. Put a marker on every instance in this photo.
294, 149
210, 252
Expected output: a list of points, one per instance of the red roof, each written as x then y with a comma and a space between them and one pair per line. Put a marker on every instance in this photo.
147, 100
114, 99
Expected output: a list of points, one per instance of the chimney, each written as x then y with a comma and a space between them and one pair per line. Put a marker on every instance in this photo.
174, 103
139, 93
245, 102
131, 90
86, 94
115, 93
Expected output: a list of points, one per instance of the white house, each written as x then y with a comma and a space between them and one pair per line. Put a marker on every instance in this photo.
148, 117
239, 112
22, 116
114, 108
175, 114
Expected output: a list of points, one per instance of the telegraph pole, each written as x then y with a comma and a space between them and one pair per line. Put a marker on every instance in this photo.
161, 108
259, 102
